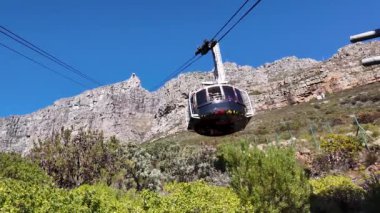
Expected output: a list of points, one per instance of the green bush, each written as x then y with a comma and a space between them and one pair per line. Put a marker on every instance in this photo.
185, 163
336, 194
270, 181
191, 197
339, 152
334, 143
372, 198
20, 196
13, 166
88, 159
101, 198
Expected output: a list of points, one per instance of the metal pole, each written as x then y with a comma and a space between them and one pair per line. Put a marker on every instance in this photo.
371, 61
362, 133
365, 36
219, 73
327, 124
313, 136
277, 139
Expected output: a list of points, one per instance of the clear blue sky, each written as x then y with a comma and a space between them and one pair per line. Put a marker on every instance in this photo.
109, 40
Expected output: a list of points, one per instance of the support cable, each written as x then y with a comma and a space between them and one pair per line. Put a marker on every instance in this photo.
45, 54
180, 69
232, 17
192, 60
44, 66
240, 19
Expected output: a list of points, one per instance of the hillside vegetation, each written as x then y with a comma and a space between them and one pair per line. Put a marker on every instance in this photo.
311, 157
331, 115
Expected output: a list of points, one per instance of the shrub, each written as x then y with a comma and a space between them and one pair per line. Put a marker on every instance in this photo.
20, 196
101, 198
336, 194
368, 117
371, 158
372, 198
186, 163
261, 130
334, 143
192, 197
87, 159
15, 167
290, 125
270, 181
337, 121
138, 171
340, 151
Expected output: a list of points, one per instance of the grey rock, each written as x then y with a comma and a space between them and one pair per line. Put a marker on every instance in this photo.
134, 114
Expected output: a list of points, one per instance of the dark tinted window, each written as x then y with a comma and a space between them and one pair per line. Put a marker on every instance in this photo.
192, 101
239, 97
214, 93
201, 97
229, 93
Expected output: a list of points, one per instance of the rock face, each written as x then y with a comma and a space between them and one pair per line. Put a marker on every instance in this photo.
132, 113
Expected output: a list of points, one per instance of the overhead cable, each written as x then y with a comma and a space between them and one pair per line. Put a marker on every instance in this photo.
45, 54
43, 65
240, 19
180, 69
229, 20
192, 60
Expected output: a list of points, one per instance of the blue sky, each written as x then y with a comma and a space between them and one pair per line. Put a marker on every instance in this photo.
109, 40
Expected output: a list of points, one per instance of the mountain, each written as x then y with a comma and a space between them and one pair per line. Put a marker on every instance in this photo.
132, 113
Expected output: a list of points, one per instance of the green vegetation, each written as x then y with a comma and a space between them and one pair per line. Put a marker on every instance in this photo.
13, 166
192, 197
305, 163
347, 145
186, 163
323, 117
101, 198
372, 197
269, 181
336, 194
87, 159
261, 181
339, 152
20, 196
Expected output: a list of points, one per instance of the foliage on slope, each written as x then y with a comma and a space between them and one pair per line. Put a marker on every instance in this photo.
268, 181
336, 193
13, 166
192, 197
88, 158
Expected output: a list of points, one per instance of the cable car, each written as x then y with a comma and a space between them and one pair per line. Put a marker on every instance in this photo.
218, 108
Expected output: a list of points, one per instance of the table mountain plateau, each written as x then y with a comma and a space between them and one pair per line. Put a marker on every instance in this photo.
132, 113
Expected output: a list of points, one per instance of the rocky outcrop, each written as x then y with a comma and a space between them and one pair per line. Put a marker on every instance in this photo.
132, 113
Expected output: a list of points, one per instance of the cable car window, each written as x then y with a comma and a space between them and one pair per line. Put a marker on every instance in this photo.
192, 101
214, 93
239, 97
229, 93
201, 97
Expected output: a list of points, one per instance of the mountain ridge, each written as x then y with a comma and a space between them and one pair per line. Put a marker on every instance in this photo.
132, 113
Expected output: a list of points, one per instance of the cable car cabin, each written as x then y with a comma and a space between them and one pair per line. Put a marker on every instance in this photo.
219, 109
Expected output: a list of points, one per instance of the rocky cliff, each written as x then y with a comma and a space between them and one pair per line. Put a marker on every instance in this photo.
132, 113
